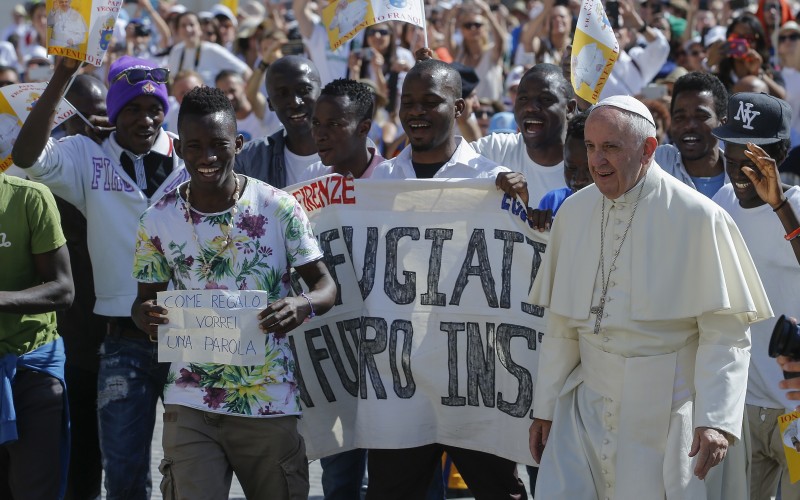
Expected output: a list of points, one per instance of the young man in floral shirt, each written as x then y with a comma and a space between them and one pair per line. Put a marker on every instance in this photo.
228, 231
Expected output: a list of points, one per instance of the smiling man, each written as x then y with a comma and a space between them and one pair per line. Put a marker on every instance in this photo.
429, 105
699, 104
222, 419
281, 159
643, 363
112, 184
757, 137
545, 102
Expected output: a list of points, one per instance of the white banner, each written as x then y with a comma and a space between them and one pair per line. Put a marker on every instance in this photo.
432, 339
344, 19
212, 326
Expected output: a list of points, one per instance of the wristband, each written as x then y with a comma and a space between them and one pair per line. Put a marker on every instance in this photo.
789, 237
303, 294
643, 28
780, 205
263, 65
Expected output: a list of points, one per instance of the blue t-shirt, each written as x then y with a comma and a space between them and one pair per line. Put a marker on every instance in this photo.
709, 185
553, 199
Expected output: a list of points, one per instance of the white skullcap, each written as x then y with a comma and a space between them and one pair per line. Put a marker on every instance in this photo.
627, 103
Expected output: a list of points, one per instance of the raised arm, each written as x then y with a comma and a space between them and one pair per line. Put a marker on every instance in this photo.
164, 33
531, 37
35, 131
305, 19
498, 31
770, 189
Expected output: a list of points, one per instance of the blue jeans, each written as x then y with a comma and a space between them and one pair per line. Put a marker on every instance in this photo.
129, 384
342, 475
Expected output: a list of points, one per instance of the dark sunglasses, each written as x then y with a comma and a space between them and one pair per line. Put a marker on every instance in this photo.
472, 26
482, 113
696, 53
136, 75
381, 32
6, 83
793, 37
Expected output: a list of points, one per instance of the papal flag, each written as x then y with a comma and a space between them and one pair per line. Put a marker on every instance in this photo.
16, 103
594, 51
343, 19
81, 29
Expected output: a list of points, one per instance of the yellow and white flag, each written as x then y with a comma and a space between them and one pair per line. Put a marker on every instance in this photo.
16, 103
81, 29
343, 19
594, 51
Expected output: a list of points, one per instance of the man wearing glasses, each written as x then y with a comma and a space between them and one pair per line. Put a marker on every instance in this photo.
112, 183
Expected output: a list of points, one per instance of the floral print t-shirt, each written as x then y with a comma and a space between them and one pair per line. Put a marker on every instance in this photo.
270, 234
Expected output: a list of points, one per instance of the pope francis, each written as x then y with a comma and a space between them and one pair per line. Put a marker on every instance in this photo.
650, 290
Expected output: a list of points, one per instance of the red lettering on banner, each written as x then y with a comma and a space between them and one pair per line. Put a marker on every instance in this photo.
331, 190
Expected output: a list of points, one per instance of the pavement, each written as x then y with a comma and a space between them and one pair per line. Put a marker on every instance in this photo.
236, 493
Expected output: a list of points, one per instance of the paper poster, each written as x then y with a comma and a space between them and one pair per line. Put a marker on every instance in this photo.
212, 326
16, 103
789, 425
345, 18
81, 29
594, 51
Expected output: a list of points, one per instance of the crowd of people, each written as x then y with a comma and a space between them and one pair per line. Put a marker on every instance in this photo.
670, 208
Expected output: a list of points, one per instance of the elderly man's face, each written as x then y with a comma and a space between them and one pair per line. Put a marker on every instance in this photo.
617, 159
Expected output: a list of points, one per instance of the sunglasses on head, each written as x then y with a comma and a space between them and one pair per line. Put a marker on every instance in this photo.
793, 37
136, 75
472, 26
381, 32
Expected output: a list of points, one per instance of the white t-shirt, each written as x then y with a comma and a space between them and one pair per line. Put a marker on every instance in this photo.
250, 127
213, 58
296, 166
331, 64
791, 79
509, 151
780, 274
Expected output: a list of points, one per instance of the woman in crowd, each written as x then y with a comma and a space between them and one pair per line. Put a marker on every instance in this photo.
194, 53
545, 37
478, 50
383, 61
744, 53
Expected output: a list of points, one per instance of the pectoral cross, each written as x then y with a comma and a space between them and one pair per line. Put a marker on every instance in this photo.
598, 310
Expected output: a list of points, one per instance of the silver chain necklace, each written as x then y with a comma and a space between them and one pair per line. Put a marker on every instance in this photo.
205, 267
598, 309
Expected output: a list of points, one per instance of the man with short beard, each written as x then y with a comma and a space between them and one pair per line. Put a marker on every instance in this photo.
699, 104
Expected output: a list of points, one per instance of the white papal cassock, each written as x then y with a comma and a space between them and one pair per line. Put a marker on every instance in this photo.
672, 353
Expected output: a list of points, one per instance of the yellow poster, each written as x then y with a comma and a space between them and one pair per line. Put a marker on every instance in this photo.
16, 103
789, 425
594, 51
81, 29
343, 19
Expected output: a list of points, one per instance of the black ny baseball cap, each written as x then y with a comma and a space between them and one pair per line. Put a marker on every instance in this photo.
757, 118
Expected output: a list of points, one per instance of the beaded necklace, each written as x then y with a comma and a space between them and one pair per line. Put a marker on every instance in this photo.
205, 267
